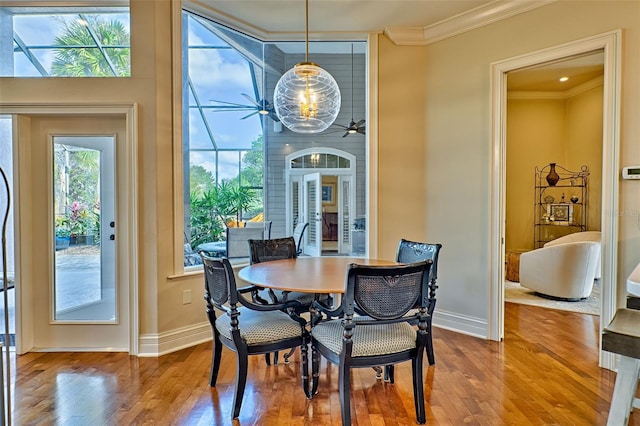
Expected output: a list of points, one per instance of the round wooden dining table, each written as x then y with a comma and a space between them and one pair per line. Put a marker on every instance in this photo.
320, 275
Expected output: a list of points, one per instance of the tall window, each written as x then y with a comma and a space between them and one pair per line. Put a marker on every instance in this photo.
64, 42
223, 141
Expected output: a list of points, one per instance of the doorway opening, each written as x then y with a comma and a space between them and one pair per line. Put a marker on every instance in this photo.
554, 122
610, 43
321, 191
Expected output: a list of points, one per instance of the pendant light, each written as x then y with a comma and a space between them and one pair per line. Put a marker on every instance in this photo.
307, 98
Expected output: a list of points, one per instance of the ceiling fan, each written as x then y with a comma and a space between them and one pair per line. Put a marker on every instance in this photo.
353, 127
262, 107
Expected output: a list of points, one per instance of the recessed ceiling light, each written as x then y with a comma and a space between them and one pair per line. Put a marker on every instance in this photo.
563, 79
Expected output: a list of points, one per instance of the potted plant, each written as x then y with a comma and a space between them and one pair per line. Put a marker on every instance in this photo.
81, 224
63, 232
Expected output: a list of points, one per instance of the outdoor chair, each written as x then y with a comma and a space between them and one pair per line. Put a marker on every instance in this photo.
237, 240
384, 335
265, 225
298, 236
249, 329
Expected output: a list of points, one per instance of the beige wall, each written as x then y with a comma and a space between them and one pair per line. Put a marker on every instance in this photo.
565, 131
434, 156
403, 149
457, 147
160, 305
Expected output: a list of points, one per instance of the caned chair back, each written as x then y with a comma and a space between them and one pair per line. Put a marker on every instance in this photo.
219, 281
273, 249
412, 251
238, 240
386, 292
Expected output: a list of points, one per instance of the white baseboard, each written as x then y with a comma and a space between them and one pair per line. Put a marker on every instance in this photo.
154, 345
471, 326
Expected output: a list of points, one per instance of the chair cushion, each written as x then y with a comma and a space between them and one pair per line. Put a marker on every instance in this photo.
257, 327
368, 340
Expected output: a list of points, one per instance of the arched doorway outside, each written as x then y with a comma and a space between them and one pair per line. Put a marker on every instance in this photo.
320, 189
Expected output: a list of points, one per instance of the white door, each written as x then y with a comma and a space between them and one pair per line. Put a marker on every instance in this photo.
79, 299
346, 199
312, 199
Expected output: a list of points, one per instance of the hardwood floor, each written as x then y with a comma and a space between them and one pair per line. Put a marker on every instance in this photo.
544, 373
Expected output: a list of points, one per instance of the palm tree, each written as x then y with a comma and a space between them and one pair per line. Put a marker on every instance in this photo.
92, 46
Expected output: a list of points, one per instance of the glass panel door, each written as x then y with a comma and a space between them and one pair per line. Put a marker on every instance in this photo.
84, 217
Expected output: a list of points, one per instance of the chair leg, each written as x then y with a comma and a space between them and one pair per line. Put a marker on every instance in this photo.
216, 356
289, 354
418, 387
267, 358
378, 371
430, 356
305, 370
389, 373
345, 393
241, 380
315, 369
624, 391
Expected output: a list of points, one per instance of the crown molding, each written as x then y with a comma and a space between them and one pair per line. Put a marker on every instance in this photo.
467, 21
538, 95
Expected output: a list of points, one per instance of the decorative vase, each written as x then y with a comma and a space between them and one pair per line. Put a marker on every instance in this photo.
552, 177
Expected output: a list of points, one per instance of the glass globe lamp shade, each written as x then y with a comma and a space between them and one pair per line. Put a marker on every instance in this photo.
307, 99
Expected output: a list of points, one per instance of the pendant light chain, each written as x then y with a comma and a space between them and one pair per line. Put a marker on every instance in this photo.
306, 32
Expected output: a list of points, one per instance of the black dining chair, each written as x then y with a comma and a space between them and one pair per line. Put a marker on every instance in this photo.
276, 249
412, 251
245, 327
384, 335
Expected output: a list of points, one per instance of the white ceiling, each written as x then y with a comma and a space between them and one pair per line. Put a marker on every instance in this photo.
282, 17
279, 20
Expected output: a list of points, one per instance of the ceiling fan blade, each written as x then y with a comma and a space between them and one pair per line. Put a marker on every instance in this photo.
249, 115
231, 103
362, 130
360, 123
250, 99
272, 115
345, 134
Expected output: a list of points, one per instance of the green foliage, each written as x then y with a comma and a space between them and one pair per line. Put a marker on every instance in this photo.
206, 224
201, 180
212, 209
78, 59
253, 165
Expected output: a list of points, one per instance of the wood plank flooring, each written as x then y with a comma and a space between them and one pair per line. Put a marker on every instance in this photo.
544, 373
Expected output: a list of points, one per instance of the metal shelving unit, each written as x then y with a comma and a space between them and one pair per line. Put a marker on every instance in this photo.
560, 208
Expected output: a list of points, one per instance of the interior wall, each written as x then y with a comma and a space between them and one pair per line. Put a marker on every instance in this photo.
535, 137
452, 145
584, 146
565, 131
403, 150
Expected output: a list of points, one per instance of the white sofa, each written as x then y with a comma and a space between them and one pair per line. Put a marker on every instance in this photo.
594, 236
565, 271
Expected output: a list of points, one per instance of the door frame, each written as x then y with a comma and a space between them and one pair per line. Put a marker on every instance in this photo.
610, 42
127, 174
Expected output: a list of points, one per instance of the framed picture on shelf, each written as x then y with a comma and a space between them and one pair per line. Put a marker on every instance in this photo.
329, 194
560, 214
